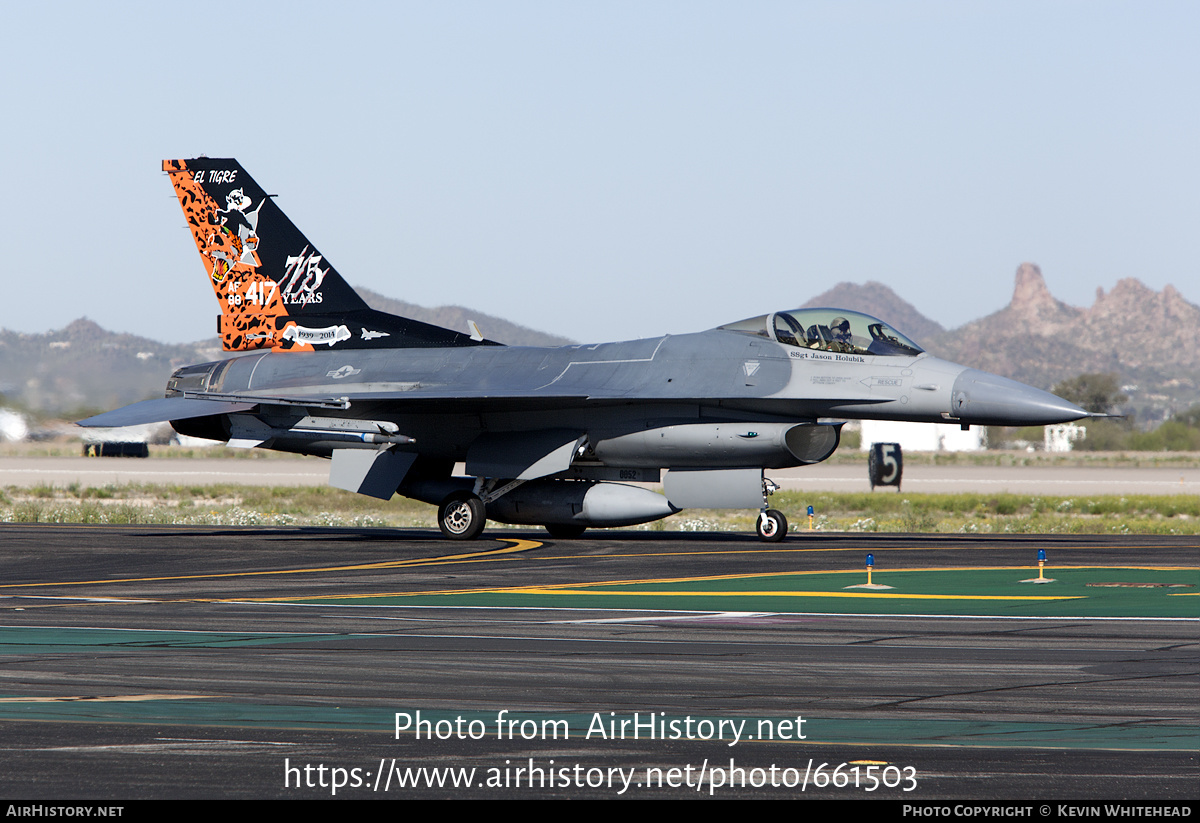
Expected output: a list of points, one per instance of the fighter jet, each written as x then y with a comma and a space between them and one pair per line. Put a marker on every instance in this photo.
555, 437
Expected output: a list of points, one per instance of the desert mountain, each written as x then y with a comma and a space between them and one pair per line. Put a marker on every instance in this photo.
84, 367
1151, 339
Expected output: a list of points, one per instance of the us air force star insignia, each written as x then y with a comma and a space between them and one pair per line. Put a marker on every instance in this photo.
750, 367
344, 371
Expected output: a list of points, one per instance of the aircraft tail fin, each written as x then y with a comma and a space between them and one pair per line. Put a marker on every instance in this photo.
275, 288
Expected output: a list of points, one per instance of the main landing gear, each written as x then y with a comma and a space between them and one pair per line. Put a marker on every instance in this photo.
462, 516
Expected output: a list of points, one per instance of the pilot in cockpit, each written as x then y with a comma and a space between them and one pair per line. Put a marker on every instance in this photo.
839, 335
806, 328
839, 329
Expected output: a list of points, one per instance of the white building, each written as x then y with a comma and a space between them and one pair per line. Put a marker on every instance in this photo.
1061, 437
923, 437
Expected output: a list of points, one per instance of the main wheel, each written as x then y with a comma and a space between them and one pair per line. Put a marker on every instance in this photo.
462, 516
772, 526
565, 531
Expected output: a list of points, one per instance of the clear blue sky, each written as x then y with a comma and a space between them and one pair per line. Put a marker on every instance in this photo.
606, 170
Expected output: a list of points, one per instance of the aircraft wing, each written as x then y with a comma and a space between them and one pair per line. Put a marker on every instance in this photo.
163, 409
201, 404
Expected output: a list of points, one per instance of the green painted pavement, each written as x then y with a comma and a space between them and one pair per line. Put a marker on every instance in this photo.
973, 592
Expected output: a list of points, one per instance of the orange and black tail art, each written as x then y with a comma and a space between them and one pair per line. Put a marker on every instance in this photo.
275, 289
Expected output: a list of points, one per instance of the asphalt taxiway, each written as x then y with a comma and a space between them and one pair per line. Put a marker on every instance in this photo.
140, 662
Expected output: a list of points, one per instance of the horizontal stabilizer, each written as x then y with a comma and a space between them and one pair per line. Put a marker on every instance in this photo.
273, 400
162, 410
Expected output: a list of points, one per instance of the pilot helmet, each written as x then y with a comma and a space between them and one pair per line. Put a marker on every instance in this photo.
840, 328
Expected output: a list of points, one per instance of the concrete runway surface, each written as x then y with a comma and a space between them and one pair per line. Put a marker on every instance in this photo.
1046, 480
173, 662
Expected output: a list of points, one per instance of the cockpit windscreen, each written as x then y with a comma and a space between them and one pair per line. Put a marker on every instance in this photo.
835, 330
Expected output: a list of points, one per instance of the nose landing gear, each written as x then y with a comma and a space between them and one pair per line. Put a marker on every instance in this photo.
772, 525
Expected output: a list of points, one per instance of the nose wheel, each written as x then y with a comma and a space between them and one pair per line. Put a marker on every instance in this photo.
772, 525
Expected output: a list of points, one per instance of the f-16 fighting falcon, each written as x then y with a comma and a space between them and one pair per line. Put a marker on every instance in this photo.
549, 436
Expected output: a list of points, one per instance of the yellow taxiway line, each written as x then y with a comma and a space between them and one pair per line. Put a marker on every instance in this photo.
517, 546
879, 595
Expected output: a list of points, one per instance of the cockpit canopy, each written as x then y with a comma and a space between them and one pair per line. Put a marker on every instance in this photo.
835, 330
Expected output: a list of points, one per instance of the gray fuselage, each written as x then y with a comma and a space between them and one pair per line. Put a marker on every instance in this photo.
444, 397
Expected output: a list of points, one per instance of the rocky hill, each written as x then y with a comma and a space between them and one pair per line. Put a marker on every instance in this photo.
1150, 339
84, 368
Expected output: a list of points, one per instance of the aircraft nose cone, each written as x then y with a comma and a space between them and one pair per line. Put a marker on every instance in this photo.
988, 399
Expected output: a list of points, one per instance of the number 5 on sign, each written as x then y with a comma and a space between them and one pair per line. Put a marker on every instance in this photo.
885, 465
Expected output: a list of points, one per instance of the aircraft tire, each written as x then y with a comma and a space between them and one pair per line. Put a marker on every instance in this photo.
462, 516
564, 531
772, 526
